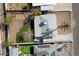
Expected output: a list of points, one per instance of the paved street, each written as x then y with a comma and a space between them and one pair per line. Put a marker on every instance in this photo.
1, 21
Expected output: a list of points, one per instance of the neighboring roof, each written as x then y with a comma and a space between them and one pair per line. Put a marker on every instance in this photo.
40, 4
55, 7
63, 7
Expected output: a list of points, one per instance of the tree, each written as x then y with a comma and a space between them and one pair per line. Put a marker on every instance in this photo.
65, 26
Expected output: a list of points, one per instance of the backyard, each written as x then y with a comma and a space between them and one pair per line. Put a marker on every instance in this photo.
24, 31
21, 31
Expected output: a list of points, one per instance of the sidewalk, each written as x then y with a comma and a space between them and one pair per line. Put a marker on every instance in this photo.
0, 44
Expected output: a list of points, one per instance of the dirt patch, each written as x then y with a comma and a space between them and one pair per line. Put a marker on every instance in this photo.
15, 27
61, 18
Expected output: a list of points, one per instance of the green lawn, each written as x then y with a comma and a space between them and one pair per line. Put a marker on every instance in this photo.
20, 39
24, 28
19, 35
25, 49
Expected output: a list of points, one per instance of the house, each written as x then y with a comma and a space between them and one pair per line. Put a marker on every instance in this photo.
12, 51
46, 24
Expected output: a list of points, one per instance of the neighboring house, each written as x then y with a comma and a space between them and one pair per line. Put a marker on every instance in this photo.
13, 51
45, 50
45, 24
16, 6
63, 49
44, 6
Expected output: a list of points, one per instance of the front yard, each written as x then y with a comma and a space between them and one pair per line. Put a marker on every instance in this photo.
25, 50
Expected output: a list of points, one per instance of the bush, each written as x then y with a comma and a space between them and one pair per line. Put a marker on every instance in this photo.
20, 39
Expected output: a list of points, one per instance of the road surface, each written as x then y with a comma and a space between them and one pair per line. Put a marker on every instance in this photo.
1, 20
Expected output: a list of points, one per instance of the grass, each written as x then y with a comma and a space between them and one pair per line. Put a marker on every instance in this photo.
25, 28
20, 34
19, 39
25, 49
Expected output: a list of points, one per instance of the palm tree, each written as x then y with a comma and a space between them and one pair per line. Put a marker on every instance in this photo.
65, 26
